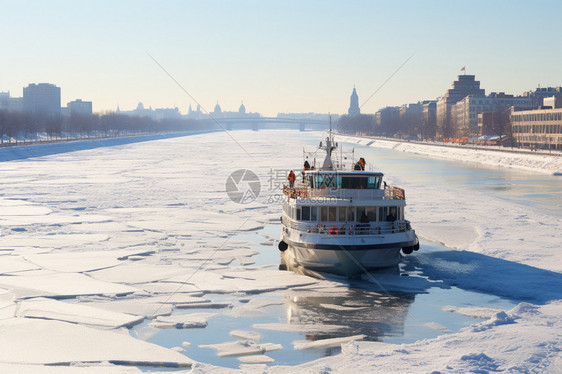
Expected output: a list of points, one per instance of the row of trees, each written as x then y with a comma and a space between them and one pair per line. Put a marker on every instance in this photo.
390, 122
23, 127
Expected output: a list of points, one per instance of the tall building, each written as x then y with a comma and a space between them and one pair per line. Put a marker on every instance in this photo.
541, 93
10, 104
242, 109
429, 119
410, 119
464, 114
42, 100
539, 128
354, 104
80, 107
465, 85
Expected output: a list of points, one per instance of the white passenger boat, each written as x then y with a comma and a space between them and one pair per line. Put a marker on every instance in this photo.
342, 219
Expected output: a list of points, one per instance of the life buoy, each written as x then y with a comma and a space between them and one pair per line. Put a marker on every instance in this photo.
333, 230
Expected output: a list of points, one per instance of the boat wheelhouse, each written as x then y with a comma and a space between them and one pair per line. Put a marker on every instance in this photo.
344, 221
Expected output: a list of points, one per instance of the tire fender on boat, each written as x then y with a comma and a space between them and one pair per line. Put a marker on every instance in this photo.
408, 250
282, 246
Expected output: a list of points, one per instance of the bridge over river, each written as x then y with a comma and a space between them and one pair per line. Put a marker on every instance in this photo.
262, 123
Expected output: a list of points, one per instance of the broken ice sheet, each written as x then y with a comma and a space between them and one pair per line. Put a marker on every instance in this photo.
436, 326
135, 272
62, 285
342, 307
246, 335
257, 359
55, 342
325, 343
141, 306
13, 264
166, 287
76, 313
52, 241
242, 348
7, 304
182, 321
302, 328
261, 280
51, 219
255, 307
82, 261
474, 312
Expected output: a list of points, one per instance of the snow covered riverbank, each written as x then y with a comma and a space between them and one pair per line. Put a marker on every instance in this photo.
536, 162
135, 231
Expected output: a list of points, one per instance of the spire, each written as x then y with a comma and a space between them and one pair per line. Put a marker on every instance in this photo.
242, 109
354, 103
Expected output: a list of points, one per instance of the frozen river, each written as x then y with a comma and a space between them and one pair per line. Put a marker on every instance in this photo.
147, 232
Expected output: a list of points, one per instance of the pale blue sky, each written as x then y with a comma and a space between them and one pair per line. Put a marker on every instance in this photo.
276, 56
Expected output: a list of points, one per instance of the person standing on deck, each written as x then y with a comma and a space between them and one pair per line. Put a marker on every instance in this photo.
292, 177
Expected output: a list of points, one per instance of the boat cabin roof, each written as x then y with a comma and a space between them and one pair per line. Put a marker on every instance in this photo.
345, 173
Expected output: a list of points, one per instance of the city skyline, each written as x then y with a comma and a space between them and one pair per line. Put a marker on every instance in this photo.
275, 58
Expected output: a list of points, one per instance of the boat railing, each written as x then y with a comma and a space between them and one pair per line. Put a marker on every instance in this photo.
301, 190
394, 193
356, 228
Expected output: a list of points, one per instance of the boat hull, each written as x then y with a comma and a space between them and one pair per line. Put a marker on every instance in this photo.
348, 260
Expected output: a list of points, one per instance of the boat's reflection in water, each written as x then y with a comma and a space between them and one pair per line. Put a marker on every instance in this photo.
362, 307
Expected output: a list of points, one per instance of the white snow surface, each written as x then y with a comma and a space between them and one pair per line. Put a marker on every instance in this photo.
537, 162
127, 227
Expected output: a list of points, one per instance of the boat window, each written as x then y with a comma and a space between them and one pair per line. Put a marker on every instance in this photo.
338, 182
298, 213
357, 183
324, 213
305, 214
341, 214
391, 214
360, 211
313, 216
332, 213
374, 183
330, 181
325, 181
372, 213
350, 214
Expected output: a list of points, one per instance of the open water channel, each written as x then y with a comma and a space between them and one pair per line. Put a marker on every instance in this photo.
408, 304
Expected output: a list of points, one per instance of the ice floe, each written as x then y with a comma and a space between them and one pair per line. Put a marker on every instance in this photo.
242, 348
61, 343
300, 345
182, 321
61, 285
76, 313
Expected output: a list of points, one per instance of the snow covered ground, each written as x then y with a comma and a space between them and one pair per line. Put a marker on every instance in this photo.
95, 240
541, 162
